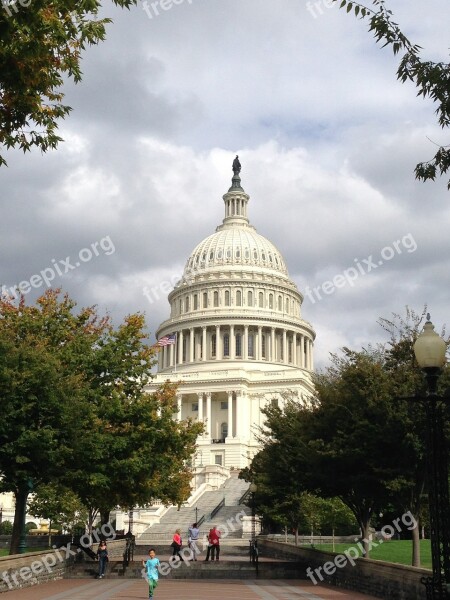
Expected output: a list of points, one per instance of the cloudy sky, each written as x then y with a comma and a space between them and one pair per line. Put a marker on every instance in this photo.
327, 137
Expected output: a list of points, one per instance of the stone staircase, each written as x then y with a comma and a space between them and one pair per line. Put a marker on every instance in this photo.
212, 508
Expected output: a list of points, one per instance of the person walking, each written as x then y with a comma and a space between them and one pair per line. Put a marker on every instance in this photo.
193, 533
177, 543
102, 556
151, 571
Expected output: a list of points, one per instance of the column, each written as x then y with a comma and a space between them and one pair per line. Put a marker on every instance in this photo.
180, 348
232, 343
230, 414
172, 348
273, 353
217, 341
208, 415
294, 348
259, 344
306, 354
179, 406
191, 344
204, 343
302, 351
285, 353
245, 348
311, 356
200, 408
160, 356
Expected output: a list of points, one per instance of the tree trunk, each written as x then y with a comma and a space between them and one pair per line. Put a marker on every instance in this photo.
104, 516
365, 528
415, 546
296, 535
21, 497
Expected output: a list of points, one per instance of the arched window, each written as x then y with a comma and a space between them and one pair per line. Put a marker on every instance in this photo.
186, 304
238, 298
226, 344
181, 307
227, 298
250, 299
280, 303
251, 345
205, 299
271, 301
195, 301
287, 305
261, 299
213, 345
238, 344
216, 299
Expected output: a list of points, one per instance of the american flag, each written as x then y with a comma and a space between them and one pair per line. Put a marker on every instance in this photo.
167, 340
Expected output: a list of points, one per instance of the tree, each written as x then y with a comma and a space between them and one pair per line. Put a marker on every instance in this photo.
431, 78
75, 411
41, 46
56, 504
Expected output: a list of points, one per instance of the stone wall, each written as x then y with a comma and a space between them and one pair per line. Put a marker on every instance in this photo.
374, 577
32, 568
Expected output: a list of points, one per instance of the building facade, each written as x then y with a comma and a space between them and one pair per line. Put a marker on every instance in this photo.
240, 338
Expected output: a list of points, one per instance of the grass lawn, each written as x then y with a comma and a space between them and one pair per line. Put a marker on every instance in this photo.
396, 551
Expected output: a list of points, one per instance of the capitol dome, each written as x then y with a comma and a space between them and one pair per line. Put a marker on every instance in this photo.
237, 246
235, 339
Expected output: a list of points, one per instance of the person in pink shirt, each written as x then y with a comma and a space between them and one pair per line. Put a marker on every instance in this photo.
177, 543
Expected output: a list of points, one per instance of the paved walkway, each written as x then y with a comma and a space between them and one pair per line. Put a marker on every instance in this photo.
110, 589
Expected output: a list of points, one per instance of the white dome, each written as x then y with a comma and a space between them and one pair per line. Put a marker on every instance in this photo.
235, 247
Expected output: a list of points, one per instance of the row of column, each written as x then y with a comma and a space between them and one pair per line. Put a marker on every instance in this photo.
238, 414
288, 347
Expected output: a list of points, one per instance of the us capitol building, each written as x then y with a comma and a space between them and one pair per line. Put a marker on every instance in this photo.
241, 341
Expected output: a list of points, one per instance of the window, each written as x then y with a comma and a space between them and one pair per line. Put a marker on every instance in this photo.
195, 301
195, 407
238, 344
181, 307
213, 345
227, 298
271, 301
184, 349
274, 402
290, 350
261, 300
216, 299
287, 305
186, 304
226, 344
249, 299
280, 303
218, 459
238, 298
224, 405
251, 345
205, 299
224, 430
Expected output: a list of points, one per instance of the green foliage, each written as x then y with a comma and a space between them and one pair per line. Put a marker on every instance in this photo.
57, 504
6, 528
30, 525
42, 45
75, 414
431, 79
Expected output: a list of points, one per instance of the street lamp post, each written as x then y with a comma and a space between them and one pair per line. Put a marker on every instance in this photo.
430, 354
196, 514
